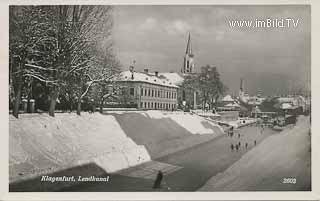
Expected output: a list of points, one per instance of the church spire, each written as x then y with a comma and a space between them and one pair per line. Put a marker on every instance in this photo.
188, 62
189, 48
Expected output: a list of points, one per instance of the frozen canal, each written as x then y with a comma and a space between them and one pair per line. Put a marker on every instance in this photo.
186, 170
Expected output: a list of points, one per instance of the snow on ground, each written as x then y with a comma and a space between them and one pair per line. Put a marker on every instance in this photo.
39, 143
164, 132
285, 155
42, 144
242, 122
193, 123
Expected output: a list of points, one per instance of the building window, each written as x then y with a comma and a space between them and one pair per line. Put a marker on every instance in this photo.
167, 94
141, 104
148, 92
152, 93
151, 104
141, 92
145, 92
132, 91
148, 105
158, 93
145, 104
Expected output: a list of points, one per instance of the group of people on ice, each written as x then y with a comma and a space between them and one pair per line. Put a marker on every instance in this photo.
237, 146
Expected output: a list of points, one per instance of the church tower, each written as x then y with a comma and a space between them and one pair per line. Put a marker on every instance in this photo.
188, 62
241, 92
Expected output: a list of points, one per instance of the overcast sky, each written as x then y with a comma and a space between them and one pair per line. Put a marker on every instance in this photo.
269, 59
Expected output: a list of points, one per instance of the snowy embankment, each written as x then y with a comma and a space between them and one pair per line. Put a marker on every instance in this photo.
40, 144
164, 133
266, 167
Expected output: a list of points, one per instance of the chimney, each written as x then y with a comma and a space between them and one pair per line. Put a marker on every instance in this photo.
131, 69
146, 70
156, 73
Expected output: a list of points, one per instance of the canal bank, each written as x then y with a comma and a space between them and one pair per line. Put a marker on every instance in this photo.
96, 144
185, 170
280, 163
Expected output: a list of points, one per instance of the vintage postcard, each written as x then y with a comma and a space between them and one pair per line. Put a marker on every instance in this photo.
159, 98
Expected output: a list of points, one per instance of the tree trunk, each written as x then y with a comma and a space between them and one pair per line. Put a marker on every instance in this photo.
17, 101
79, 107
53, 101
70, 105
101, 107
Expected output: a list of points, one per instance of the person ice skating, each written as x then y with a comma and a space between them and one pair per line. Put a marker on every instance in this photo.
232, 147
239, 144
255, 143
237, 147
231, 131
239, 135
246, 145
157, 182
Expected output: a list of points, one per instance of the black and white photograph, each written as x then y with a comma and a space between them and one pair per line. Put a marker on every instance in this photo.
159, 98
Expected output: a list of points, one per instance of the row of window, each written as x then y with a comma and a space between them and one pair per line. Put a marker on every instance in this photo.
156, 105
158, 93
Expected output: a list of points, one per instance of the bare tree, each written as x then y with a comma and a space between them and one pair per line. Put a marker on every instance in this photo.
29, 41
57, 45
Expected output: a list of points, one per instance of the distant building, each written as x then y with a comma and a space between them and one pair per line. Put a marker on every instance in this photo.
248, 100
147, 90
292, 102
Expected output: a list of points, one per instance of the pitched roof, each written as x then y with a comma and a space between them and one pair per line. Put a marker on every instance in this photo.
227, 98
145, 77
175, 78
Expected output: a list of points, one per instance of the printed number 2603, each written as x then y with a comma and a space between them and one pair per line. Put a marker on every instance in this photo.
289, 180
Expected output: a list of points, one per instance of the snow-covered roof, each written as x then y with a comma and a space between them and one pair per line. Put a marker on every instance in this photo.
236, 105
286, 106
175, 78
232, 105
227, 98
229, 105
286, 99
145, 77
